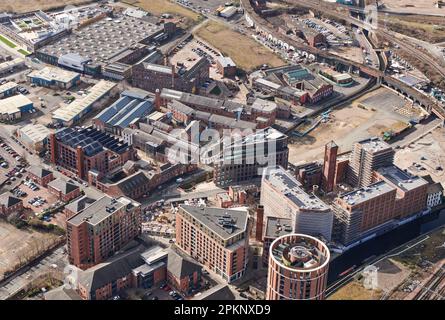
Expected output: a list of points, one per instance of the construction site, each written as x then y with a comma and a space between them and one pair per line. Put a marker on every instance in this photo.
380, 113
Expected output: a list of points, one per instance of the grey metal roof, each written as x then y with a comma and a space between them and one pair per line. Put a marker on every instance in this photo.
181, 266
7, 200
64, 186
100, 210
226, 223
107, 272
39, 171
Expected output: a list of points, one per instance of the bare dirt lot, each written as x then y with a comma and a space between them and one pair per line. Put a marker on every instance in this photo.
16, 245
21, 6
244, 50
348, 125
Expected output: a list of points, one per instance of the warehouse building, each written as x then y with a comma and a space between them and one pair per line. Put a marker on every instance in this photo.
53, 77
261, 112
11, 65
122, 39
34, 136
12, 108
8, 89
80, 150
71, 113
294, 83
131, 106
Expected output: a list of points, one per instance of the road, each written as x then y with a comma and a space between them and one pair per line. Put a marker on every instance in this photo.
420, 131
330, 8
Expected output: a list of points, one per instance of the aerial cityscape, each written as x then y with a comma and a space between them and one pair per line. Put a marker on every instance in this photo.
229, 150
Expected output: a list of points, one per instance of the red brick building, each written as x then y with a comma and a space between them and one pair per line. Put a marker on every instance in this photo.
64, 190
183, 273
40, 175
217, 238
101, 229
329, 166
298, 268
80, 150
10, 205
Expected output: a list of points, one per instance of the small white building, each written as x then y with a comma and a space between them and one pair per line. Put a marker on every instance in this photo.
34, 136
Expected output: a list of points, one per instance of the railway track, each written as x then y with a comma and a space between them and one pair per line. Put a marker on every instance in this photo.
434, 289
332, 10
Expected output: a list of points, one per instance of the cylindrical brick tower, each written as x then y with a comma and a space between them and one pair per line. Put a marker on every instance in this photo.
298, 268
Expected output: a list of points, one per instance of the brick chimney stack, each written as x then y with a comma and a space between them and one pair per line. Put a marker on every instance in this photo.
259, 223
158, 100
53, 147
79, 160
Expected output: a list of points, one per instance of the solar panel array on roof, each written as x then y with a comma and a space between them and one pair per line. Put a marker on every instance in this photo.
91, 140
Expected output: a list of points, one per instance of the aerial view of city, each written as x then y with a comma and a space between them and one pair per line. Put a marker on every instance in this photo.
238, 151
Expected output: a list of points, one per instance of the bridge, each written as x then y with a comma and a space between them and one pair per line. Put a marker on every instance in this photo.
427, 102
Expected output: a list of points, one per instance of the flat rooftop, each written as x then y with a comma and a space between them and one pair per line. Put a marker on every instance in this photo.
300, 254
226, 223
277, 227
264, 105
54, 74
374, 145
105, 39
367, 193
101, 209
401, 179
284, 183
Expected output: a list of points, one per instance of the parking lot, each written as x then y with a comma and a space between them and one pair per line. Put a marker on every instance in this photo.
38, 198
203, 6
191, 52
11, 164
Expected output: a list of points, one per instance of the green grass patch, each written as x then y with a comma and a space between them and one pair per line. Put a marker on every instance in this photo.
7, 42
24, 52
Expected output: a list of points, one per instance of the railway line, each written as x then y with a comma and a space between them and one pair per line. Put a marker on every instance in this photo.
331, 9
434, 289
335, 10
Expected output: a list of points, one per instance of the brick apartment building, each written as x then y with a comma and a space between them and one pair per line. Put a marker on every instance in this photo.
80, 150
217, 238
101, 229
298, 268
395, 195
